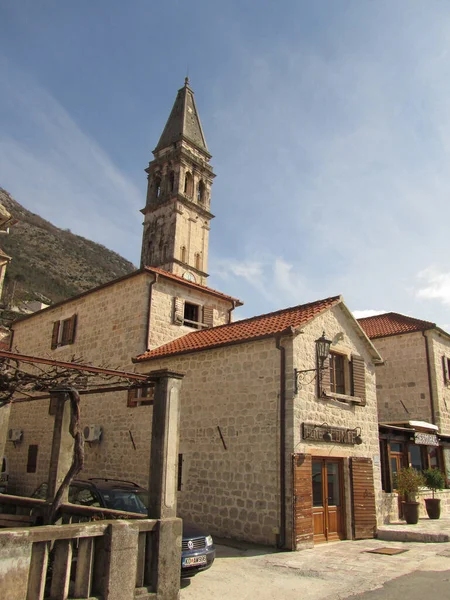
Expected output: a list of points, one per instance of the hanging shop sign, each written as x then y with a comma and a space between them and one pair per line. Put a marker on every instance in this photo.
426, 439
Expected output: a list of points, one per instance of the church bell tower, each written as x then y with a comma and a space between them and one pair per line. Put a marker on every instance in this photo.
177, 212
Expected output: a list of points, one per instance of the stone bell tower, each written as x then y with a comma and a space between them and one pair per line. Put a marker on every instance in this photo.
177, 211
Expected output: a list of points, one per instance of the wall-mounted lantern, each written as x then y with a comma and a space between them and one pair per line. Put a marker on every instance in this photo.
322, 351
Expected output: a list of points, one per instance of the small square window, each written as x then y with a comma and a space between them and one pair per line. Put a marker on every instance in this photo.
142, 396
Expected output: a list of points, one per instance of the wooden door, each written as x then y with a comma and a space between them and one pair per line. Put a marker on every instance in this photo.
328, 516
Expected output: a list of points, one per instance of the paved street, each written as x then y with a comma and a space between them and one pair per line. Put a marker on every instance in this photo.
336, 570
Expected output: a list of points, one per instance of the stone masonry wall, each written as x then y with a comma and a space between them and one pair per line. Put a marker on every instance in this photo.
439, 348
311, 409
162, 327
231, 491
402, 382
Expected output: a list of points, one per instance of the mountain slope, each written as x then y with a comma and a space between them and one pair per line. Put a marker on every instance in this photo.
52, 264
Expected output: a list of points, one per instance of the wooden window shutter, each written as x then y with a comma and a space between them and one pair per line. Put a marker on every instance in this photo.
323, 378
72, 329
55, 335
445, 369
208, 316
359, 378
178, 311
131, 400
303, 501
363, 498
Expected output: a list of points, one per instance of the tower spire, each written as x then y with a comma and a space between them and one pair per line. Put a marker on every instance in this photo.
177, 211
183, 122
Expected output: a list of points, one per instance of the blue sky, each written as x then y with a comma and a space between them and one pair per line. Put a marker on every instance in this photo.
328, 122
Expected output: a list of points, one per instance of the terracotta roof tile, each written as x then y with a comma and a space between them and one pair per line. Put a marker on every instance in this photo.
392, 324
243, 331
191, 284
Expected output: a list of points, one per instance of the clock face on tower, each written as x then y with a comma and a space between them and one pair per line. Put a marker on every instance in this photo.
189, 276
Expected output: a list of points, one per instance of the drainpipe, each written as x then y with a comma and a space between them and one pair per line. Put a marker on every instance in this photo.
430, 385
230, 310
282, 536
149, 305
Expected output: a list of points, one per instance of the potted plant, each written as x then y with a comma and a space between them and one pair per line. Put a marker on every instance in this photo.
434, 480
408, 481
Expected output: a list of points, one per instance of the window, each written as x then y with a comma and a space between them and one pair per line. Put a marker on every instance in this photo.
446, 369
183, 254
188, 184
201, 192
191, 312
337, 373
343, 377
157, 187
64, 332
172, 181
141, 396
180, 473
32, 458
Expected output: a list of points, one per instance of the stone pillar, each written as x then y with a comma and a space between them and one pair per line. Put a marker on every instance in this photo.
62, 444
165, 570
121, 561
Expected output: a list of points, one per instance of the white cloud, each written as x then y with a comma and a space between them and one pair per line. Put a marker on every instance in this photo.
436, 285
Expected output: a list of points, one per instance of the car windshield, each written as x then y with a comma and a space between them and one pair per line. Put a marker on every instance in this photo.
127, 500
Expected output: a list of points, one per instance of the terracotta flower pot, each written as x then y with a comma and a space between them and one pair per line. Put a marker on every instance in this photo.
411, 512
433, 506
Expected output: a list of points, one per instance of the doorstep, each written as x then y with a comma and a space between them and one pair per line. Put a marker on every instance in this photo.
426, 530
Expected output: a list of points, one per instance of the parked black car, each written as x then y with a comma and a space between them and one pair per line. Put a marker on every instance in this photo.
197, 552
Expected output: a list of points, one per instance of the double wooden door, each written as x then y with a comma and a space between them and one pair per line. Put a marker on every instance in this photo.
328, 505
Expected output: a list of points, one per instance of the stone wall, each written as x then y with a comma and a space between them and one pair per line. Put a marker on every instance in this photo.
230, 486
439, 348
389, 505
402, 382
308, 407
162, 326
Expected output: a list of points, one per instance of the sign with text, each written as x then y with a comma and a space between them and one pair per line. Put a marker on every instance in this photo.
426, 439
339, 435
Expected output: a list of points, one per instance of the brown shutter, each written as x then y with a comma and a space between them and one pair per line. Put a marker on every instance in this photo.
208, 316
363, 498
131, 400
359, 378
55, 335
323, 378
178, 311
445, 369
72, 328
302, 488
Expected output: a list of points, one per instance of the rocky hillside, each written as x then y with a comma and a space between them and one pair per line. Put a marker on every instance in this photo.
50, 264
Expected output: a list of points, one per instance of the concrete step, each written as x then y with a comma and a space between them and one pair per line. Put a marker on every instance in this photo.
430, 532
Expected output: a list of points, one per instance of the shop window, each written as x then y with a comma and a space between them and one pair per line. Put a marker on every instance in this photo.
141, 396
416, 457
32, 458
63, 332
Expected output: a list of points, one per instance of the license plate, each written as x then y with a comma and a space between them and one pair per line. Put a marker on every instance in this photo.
194, 560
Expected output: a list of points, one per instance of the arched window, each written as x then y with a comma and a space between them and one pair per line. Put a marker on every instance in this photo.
198, 261
183, 254
172, 181
157, 186
201, 191
188, 184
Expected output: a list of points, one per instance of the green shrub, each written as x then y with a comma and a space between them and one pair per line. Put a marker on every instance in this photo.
434, 479
408, 481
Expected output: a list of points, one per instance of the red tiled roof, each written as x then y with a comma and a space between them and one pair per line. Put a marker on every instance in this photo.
191, 284
392, 324
243, 331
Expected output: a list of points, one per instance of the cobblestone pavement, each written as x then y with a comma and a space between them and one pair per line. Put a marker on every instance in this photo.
336, 570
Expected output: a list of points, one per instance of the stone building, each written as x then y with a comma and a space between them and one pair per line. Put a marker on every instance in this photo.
413, 392
279, 442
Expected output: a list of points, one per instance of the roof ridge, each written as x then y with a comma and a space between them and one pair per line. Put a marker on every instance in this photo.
396, 314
